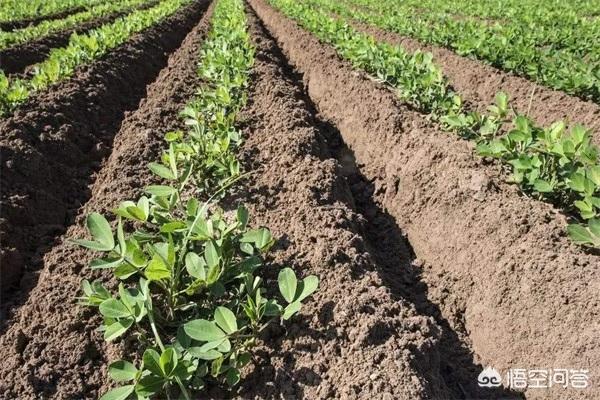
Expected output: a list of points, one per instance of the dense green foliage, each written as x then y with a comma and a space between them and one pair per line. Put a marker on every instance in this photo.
82, 49
549, 163
15, 10
44, 28
553, 54
199, 304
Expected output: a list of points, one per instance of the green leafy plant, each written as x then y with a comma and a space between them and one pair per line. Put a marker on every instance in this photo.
199, 304
190, 288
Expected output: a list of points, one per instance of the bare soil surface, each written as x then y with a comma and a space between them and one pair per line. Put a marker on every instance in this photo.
53, 144
14, 60
497, 264
478, 84
51, 348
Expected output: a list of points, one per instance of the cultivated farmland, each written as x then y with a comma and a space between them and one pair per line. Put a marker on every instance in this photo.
299, 199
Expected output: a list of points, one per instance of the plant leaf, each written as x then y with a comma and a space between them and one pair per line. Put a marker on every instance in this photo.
287, 284
168, 361
122, 371
161, 170
114, 308
117, 328
151, 360
203, 330
120, 393
291, 309
226, 320
307, 287
100, 230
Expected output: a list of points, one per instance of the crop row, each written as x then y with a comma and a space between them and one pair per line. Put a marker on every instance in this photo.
82, 49
199, 304
44, 28
15, 10
560, 30
540, 11
549, 163
515, 48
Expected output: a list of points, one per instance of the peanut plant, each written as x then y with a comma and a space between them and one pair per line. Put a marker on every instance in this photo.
190, 290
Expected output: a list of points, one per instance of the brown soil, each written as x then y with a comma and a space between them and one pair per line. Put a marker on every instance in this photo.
52, 145
478, 84
14, 60
496, 263
23, 23
51, 348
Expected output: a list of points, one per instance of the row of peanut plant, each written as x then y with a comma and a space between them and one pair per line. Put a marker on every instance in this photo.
47, 27
559, 26
551, 163
517, 48
15, 10
515, 9
190, 289
82, 49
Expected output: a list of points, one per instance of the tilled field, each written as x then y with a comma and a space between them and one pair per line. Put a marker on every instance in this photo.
431, 266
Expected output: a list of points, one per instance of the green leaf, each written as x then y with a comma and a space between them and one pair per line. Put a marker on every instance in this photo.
211, 255
100, 230
161, 190
307, 287
120, 393
204, 355
136, 213
121, 238
161, 171
117, 328
122, 371
101, 263
215, 367
149, 385
124, 271
579, 234
261, 238
114, 308
151, 360
168, 361
194, 264
203, 330
90, 244
577, 182
542, 186
226, 320
233, 376
594, 174
242, 216
291, 309
287, 284
157, 269
594, 225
